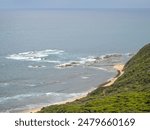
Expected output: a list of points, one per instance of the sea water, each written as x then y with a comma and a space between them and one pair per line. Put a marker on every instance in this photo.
49, 56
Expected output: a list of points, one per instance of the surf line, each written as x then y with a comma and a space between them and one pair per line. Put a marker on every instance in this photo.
118, 67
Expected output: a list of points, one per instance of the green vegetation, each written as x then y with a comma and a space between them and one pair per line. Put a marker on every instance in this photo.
130, 92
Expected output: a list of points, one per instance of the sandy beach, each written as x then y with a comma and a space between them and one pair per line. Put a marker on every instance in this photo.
118, 67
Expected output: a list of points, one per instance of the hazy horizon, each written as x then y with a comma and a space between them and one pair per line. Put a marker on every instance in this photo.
73, 4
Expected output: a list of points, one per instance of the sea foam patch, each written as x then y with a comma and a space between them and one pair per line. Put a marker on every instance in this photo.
36, 95
33, 98
36, 55
91, 61
36, 66
64, 60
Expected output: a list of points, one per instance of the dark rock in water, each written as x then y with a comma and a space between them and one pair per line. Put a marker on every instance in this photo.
74, 63
68, 65
97, 58
64, 65
112, 55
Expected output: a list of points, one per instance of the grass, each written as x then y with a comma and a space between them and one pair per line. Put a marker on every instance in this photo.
130, 92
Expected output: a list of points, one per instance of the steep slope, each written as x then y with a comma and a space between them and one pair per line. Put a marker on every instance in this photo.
130, 92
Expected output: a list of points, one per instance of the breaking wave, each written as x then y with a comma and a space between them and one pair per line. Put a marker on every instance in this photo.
36, 66
65, 60
30, 101
36, 56
36, 95
92, 60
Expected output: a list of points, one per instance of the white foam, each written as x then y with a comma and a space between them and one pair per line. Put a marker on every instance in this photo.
61, 61
52, 93
35, 55
31, 85
88, 60
62, 98
52, 61
36, 66
35, 95
84, 77
83, 61
21, 97
68, 64
91, 60
4, 85
15, 97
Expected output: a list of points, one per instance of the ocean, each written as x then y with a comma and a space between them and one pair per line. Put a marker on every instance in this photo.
49, 56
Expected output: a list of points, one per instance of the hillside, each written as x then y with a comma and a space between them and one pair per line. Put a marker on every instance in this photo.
129, 93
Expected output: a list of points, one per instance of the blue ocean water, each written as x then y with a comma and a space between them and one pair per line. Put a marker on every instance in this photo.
48, 56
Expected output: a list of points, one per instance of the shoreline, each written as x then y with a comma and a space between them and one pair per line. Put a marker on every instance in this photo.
118, 67
34, 110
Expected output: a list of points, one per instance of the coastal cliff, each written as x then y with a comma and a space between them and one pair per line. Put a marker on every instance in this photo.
129, 93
